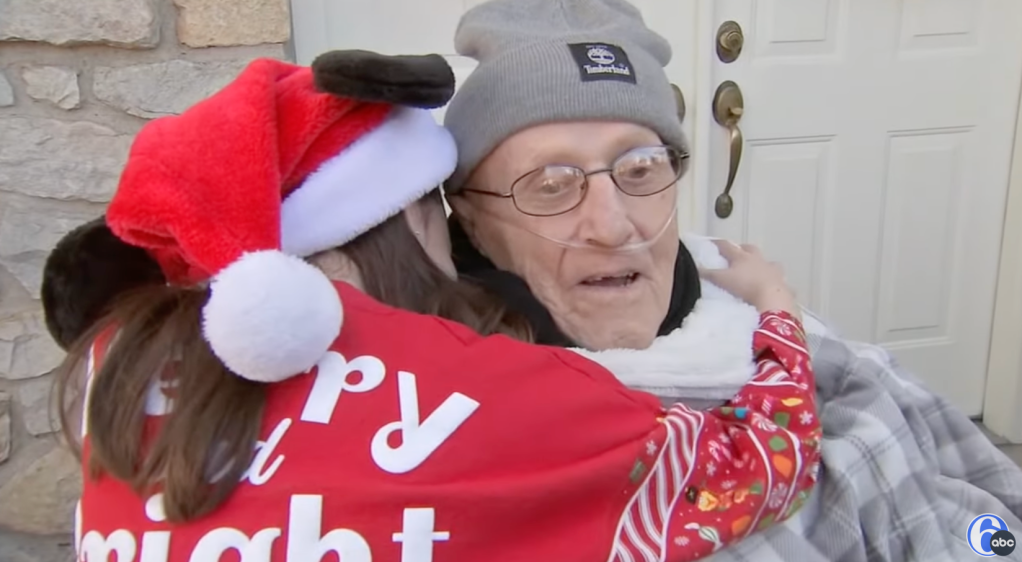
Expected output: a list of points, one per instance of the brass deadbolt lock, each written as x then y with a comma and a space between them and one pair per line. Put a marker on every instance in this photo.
730, 40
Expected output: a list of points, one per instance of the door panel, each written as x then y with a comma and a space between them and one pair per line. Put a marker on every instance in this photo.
878, 146
789, 179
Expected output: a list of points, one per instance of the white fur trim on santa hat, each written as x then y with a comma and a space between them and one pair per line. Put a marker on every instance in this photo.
271, 316
376, 177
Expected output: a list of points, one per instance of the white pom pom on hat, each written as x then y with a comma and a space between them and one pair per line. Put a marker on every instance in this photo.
274, 328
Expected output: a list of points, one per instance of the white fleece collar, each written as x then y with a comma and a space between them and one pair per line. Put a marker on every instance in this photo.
709, 357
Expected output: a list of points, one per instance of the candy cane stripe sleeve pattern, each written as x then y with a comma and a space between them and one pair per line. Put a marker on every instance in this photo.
725, 473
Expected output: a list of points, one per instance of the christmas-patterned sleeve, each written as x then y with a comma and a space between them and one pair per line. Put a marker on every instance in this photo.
736, 469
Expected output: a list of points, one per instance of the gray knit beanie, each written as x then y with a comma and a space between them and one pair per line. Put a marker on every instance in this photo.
556, 60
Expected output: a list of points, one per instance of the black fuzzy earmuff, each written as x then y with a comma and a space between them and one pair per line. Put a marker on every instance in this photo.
84, 273
422, 81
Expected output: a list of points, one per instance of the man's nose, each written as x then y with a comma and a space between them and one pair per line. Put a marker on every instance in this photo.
604, 216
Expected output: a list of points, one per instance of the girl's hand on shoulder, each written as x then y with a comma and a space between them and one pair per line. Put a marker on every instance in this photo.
750, 277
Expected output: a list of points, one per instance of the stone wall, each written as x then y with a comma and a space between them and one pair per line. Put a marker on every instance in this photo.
77, 80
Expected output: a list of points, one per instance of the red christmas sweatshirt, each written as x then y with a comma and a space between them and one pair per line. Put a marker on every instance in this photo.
417, 440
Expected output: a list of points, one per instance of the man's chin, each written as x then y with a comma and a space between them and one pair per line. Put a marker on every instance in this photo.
616, 337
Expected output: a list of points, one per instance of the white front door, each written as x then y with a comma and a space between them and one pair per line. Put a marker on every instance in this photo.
877, 148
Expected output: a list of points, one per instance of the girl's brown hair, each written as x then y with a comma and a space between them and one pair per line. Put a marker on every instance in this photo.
205, 444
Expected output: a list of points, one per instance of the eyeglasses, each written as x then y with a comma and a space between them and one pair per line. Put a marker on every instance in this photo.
556, 189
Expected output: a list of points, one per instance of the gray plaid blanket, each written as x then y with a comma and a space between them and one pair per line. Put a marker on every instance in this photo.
904, 472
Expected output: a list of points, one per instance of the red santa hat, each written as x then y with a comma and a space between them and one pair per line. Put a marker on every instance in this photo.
284, 162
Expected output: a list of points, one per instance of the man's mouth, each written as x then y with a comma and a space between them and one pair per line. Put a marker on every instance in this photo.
612, 281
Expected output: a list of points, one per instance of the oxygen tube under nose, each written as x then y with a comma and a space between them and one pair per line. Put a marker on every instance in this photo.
578, 245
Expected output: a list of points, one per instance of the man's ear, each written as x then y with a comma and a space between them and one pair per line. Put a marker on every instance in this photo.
464, 213
461, 210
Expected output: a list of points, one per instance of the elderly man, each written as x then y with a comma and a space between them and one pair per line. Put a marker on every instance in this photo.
568, 139
564, 203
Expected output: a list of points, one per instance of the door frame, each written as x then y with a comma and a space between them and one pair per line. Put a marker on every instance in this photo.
701, 127
1002, 414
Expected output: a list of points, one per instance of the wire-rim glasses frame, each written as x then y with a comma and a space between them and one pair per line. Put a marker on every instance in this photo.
677, 159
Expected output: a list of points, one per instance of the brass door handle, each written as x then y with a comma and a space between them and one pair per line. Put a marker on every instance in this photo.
728, 107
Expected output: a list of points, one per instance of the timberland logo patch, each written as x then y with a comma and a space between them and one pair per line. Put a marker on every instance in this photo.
602, 61
601, 55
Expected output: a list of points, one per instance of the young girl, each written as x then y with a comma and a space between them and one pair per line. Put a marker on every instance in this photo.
243, 403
